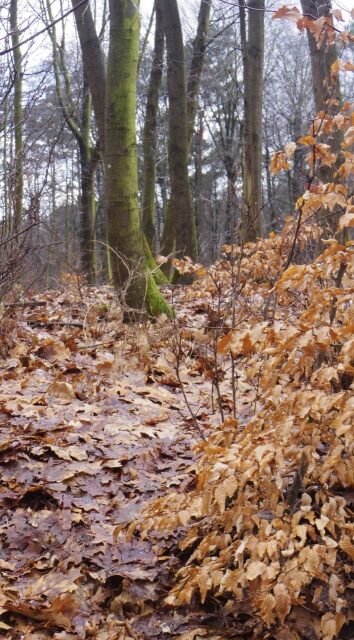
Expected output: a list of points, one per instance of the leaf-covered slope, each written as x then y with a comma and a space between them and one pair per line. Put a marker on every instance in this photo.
268, 527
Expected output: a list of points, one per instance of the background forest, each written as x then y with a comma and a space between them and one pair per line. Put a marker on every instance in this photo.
251, 89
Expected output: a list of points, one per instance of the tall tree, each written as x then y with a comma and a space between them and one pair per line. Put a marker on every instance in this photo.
196, 65
93, 61
181, 204
150, 131
326, 86
80, 127
252, 40
17, 118
116, 127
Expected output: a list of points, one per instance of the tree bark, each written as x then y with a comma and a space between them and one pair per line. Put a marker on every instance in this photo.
326, 93
196, 66
150, 132
253, 56
129, 265
17, 119
81, 130
93, 62
88, 161
181, 205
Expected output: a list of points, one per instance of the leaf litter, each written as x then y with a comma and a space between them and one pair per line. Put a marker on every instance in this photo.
189, 479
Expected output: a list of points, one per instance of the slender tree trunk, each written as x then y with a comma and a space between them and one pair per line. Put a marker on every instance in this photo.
93, 62
196, 66
88, 200
88, 214
253, 55
198, 197
81, 130
271, 226
7, 214
326, 88
171, 239
327, 94
150, 132
297, 181
181, 205
18, 119
52, 227
129, 265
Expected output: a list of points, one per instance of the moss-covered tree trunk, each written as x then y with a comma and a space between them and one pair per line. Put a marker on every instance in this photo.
150, 132
253, 56
129, 265
181, 204
17, 119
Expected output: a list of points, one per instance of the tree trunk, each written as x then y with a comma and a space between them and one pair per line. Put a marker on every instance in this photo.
7, 210
196, 67
181, 205
81, 130
93, 62
326, 93
88, 200
129, 265
253, 55
17, 120
150, 133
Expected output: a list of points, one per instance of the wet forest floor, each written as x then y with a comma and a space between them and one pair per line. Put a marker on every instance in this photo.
188, 478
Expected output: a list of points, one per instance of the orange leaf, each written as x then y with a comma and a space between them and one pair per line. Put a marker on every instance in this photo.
306, 140
288, 13
224, 344
278, 162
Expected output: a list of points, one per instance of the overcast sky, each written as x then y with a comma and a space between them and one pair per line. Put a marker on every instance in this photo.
191, 6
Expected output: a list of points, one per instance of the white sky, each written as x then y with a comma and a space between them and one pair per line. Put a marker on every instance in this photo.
190, 6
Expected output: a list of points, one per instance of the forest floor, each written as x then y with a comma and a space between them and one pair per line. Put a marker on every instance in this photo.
93, 425
249, 459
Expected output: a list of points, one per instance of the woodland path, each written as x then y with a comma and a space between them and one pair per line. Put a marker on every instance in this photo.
90, 431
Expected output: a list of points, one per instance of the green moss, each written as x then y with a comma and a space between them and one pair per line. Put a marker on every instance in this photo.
155, 302
155, 271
